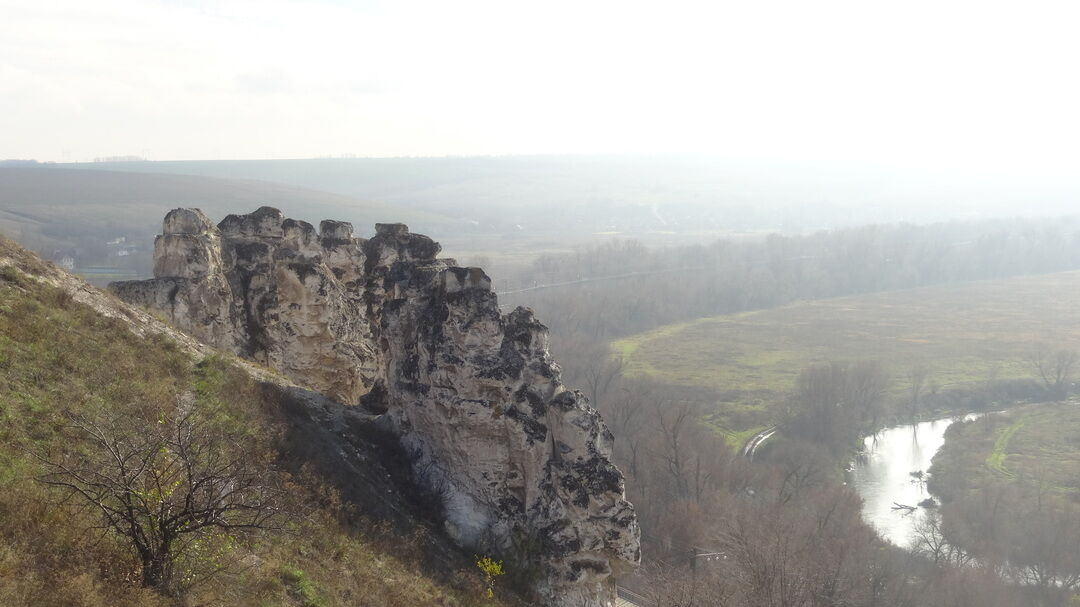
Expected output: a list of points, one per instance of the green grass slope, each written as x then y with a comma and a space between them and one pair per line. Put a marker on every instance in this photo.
59, 356
963, 334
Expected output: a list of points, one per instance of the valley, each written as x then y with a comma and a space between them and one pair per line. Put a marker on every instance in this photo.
956, 336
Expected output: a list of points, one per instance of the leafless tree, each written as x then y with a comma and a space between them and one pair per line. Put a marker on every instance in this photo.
916, 377
799, 466
866, 385
626, 416
165, 485
834, 402
677, 423
600, 373
1055, 369
930, 541
1042, 548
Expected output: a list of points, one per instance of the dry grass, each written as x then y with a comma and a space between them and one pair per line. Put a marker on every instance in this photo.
58, 357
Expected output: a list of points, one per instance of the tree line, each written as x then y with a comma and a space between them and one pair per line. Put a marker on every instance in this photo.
661, 286
785, 530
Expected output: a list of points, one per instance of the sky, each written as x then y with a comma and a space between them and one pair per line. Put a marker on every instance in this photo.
977, 85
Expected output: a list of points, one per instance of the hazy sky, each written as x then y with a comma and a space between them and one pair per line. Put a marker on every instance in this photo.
942, 83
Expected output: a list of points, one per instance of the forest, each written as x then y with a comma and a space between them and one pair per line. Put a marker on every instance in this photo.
785, 529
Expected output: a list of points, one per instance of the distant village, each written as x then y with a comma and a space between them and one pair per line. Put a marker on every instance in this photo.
120, 260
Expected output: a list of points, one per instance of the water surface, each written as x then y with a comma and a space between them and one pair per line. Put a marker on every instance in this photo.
884, 477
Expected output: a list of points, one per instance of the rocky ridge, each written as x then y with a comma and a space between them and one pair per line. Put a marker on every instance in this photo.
522, 463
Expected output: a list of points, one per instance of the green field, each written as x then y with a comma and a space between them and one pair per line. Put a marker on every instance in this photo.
1038, 445
962, 334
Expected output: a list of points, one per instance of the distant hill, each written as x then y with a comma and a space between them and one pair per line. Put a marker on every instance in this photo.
510, 209
521, 195
102, 218
133, 200
640, 195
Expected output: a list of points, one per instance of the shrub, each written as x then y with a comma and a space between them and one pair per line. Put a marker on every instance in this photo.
490, 569
302, 588
174, 488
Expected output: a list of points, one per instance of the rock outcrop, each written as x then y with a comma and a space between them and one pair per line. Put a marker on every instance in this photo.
522, 463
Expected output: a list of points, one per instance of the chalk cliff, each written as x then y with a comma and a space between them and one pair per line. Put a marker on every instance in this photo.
523, 463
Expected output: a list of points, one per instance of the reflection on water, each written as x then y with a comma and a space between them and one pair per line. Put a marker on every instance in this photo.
884, 477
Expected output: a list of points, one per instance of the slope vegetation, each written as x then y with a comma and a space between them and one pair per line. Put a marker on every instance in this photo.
354, 532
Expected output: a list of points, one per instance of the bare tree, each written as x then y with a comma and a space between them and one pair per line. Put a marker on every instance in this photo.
816, 407
600, 372
1055, 369
626, 416
865, 387
834, 402
929, 540
164, 485
677, 423
916, 377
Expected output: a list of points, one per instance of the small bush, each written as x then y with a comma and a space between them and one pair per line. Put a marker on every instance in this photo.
13, 276
490, 569
302, 588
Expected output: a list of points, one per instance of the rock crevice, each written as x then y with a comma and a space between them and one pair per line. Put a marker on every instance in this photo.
473, 395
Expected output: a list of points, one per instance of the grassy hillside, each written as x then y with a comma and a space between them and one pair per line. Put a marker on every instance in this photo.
962, 334
60, 358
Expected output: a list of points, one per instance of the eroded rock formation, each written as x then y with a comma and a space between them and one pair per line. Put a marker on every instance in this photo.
522, 462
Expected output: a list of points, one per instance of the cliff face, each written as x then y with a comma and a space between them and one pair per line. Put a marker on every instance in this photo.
523, 463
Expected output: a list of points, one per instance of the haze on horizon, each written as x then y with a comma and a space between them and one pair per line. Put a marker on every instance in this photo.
975, 88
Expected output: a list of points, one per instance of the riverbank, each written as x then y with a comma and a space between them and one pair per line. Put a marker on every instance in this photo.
1030, 446
1009, 487
890, 476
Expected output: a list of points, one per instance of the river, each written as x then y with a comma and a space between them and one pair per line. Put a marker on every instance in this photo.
883, 477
